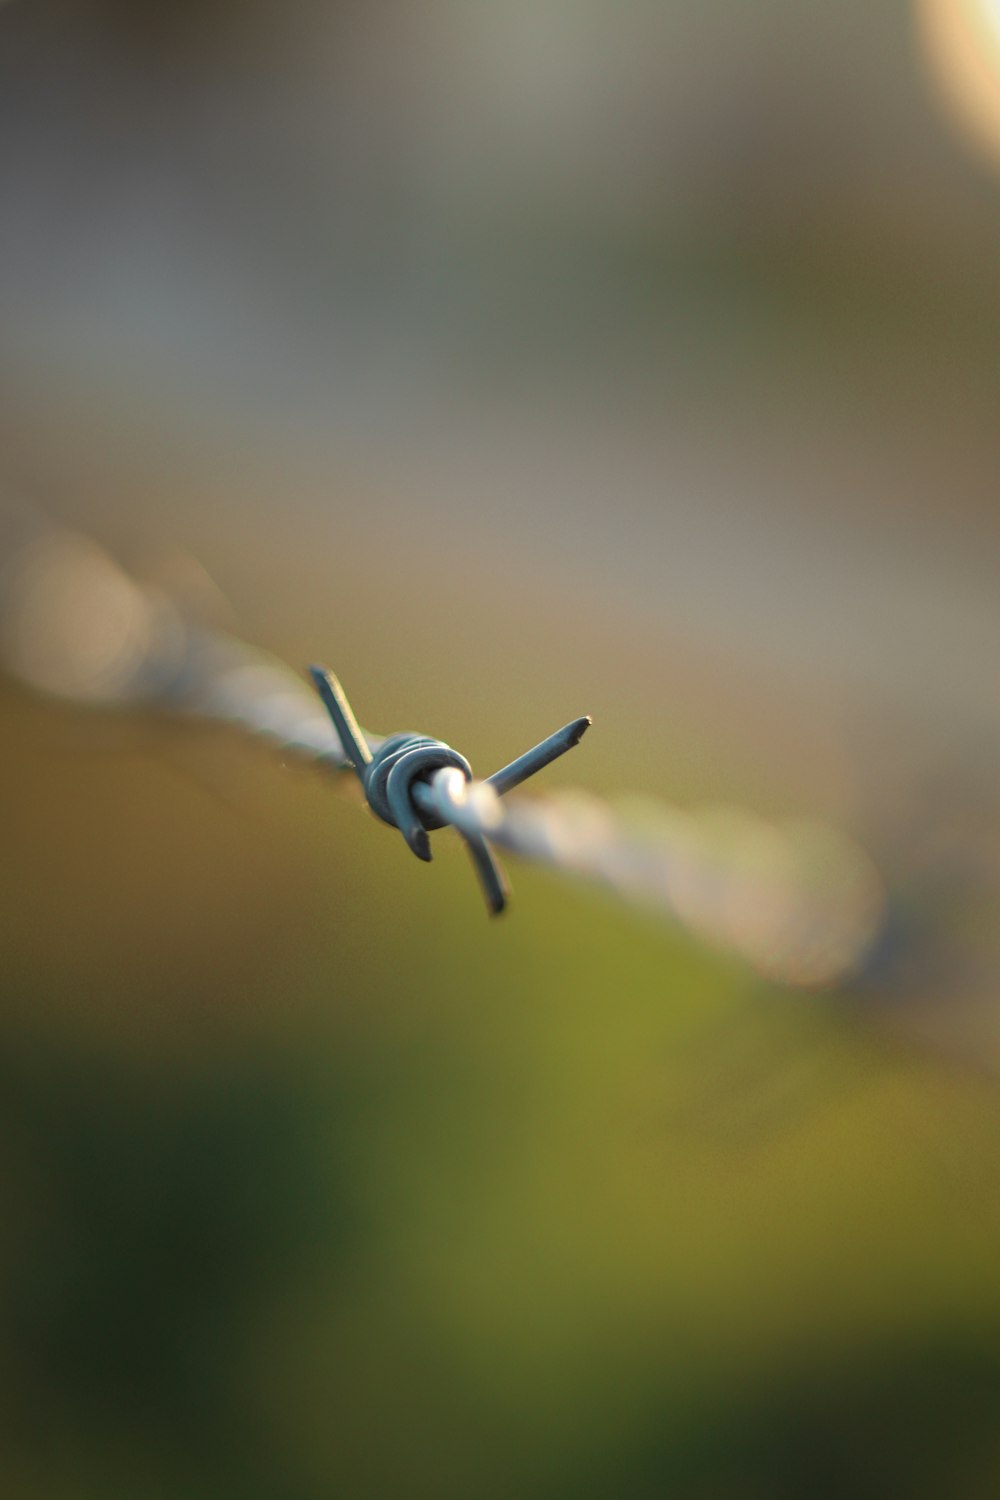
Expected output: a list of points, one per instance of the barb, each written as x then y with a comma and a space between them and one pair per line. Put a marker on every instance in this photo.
801, 902
399, 771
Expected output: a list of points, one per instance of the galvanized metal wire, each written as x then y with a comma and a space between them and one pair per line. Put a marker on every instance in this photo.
799, 901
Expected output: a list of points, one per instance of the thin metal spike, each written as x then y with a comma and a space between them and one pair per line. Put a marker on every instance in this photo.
349, 732
490, 872
541, 756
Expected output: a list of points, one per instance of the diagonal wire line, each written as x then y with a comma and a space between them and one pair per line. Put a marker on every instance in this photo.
799, 901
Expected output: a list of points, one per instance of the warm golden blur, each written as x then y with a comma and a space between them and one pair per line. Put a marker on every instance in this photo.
962, 39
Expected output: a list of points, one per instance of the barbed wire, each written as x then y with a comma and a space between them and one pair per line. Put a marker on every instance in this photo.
799, 900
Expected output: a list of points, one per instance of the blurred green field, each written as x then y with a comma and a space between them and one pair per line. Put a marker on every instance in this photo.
315, 1182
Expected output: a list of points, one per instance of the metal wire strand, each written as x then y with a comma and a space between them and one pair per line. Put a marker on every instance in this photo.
404, 763
799, 901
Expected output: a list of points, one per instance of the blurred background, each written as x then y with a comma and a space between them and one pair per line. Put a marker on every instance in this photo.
520, 361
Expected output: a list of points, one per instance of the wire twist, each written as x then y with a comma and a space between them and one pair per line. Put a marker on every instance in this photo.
399, 778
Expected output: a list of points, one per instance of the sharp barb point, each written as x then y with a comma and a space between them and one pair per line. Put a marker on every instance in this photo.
539, 756
353, 742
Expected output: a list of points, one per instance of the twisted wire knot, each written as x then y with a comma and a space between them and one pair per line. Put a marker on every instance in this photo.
389, 778
398, 779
